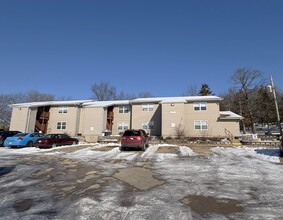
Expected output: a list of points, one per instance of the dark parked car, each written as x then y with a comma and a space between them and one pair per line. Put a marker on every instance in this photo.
54, 140
132, 138
281, 147
5, 134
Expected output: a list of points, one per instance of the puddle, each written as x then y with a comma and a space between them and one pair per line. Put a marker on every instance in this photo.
168, 149
5, 170
138, 177
106, 148
207, 204
22, 205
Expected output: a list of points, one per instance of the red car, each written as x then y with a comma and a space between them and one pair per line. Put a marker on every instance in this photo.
54, 140
132, 138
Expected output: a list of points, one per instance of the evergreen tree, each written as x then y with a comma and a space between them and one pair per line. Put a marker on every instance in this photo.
205, 90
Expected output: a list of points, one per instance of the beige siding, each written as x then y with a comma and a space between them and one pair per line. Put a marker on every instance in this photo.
19, 119
210, 115
120, 118
139, 116
71, 119
93, 122
231, 126
173, 119
168, 118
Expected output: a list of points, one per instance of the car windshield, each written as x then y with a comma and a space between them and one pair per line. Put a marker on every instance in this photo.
132, 133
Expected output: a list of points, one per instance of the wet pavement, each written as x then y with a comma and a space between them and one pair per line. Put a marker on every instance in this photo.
100, 182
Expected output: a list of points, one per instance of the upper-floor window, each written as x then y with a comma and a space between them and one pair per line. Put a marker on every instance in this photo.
147, 124
201, 125
123, 126
124, 109
147, 107
200, 106
61, 125
63, 109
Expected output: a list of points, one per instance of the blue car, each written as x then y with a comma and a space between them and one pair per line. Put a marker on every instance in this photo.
22, 139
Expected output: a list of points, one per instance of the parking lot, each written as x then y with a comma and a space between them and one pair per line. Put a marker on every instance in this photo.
98, 181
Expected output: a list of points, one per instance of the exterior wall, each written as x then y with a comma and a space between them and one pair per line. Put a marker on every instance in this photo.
93, 123
231, 126
168, 118
32, 119
173, 119
211, 114
19, 119
120, 118
139, 116
71, 119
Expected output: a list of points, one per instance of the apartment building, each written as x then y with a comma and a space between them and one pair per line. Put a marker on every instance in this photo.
190, 116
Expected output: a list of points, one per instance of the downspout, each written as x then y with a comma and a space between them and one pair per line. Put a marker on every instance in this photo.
78, 119
131, 114
28, 119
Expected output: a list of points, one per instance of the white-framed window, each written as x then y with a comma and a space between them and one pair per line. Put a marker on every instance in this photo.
147, 124
63, 109
201, 125
122, 126
200, 106
147, 107
124, 109
61, 125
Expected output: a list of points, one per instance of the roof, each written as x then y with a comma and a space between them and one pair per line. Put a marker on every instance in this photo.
49, 103
91, 103
228, 115
181, 99
105, 103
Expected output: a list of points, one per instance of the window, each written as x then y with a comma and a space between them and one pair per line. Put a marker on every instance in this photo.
123, 126
200, 106
124, 109
147, 107
147, 124
201, 125
63, 109
61, 125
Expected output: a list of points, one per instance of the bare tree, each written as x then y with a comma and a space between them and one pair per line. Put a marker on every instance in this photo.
125, 96
103, 91
191, 91
35, 96
246, 81
145, 95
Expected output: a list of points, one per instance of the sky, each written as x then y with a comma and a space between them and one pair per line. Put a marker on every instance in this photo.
159, 46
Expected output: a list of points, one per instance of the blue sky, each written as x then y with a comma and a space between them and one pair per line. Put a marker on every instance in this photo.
163, 47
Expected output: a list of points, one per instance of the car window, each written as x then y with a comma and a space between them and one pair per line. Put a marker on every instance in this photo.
64, 136
20, 135
132, 133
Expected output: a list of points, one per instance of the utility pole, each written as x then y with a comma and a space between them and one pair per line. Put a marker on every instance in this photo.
272, 89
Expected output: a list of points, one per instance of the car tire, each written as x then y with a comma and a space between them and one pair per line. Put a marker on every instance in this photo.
54, 145
74, 143
121, 148
143, 147
30, 144
280, 153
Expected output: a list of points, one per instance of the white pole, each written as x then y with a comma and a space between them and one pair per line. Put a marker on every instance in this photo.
276, 105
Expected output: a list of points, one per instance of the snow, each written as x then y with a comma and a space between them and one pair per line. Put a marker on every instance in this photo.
253, 176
